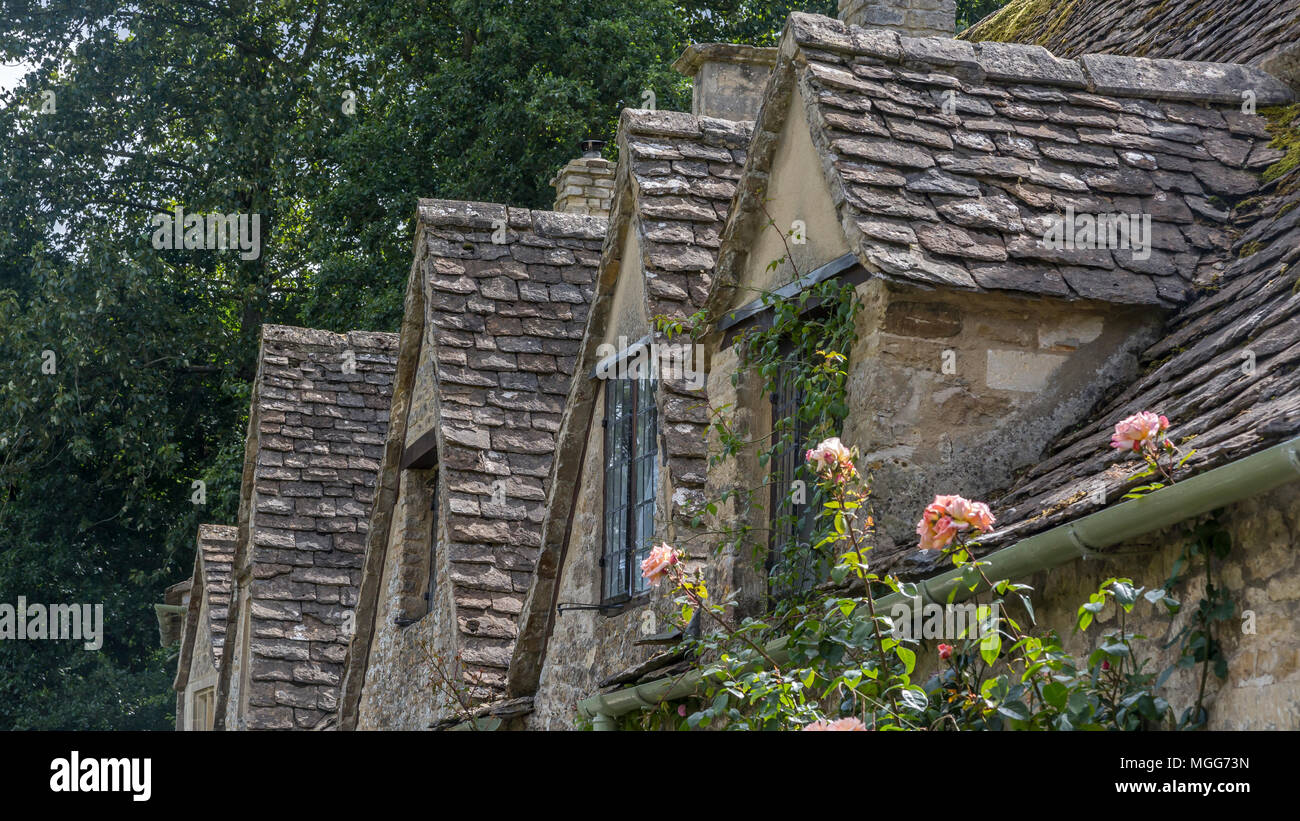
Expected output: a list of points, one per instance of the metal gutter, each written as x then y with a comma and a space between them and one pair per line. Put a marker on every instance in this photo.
1246, 477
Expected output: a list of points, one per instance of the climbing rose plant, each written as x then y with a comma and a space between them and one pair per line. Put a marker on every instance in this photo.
1146, 434
843, 665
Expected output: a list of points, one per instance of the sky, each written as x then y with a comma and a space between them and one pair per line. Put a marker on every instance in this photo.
11, 74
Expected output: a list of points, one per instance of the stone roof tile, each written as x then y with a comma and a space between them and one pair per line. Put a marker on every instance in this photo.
319, 415
507, 295
216, 556
1232, 31
922, 148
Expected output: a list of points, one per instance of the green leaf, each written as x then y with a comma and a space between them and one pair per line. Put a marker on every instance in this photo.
914, 698
1055, 693
1124, 594
1029, 607
908, 657
990, 647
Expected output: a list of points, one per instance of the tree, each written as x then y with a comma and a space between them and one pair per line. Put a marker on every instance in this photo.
327, 120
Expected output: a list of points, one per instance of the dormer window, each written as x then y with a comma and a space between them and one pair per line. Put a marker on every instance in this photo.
631, 481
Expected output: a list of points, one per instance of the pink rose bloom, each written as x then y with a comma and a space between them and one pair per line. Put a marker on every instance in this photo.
947, 516
967, 514
656, 565
831, 457
945, 651
1135, 431
839, 725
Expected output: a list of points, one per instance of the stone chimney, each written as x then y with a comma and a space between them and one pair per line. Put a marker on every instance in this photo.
729, 78
586, 185
910, 18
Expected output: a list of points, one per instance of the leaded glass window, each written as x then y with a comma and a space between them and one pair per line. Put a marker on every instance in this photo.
631, 479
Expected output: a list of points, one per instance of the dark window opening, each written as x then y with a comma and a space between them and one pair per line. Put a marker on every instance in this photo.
631, 480
793, 564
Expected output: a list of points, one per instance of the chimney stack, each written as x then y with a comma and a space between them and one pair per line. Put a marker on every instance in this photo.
910, 18
586, 185
728, 78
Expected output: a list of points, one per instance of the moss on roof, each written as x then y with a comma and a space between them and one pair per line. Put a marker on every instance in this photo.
1022, 21
1284, 125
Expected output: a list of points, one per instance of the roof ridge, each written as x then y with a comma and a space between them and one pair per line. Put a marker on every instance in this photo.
1110, 74
318, 337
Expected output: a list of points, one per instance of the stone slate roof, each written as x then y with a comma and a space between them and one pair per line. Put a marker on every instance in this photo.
315, 439
503, 322
1197, 376
215, 557
674, 184
1226, 31
508, 322
962, 199
676, 189
210, 582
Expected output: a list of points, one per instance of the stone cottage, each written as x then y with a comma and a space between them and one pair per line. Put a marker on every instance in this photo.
550, 415
271, 601
928, 172
631, 462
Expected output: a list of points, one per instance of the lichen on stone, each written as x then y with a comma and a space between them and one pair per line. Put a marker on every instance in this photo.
1284, 125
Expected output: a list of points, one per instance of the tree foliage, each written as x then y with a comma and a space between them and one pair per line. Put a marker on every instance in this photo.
328, 120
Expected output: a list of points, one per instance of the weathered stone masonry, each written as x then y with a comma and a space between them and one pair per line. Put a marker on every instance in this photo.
316, 427
205, 622
676, 177
941, 209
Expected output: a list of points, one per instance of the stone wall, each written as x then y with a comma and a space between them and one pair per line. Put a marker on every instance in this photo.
953, 393
727, 78
588, 646
913, 18
397, 692
202, 675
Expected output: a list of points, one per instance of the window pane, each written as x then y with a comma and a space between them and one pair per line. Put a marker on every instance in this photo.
618, 419
646, 476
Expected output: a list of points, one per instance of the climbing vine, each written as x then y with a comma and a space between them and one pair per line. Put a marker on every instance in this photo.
1197, 640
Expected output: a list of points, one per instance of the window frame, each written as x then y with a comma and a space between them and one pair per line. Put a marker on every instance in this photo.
203, 708
637, 421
